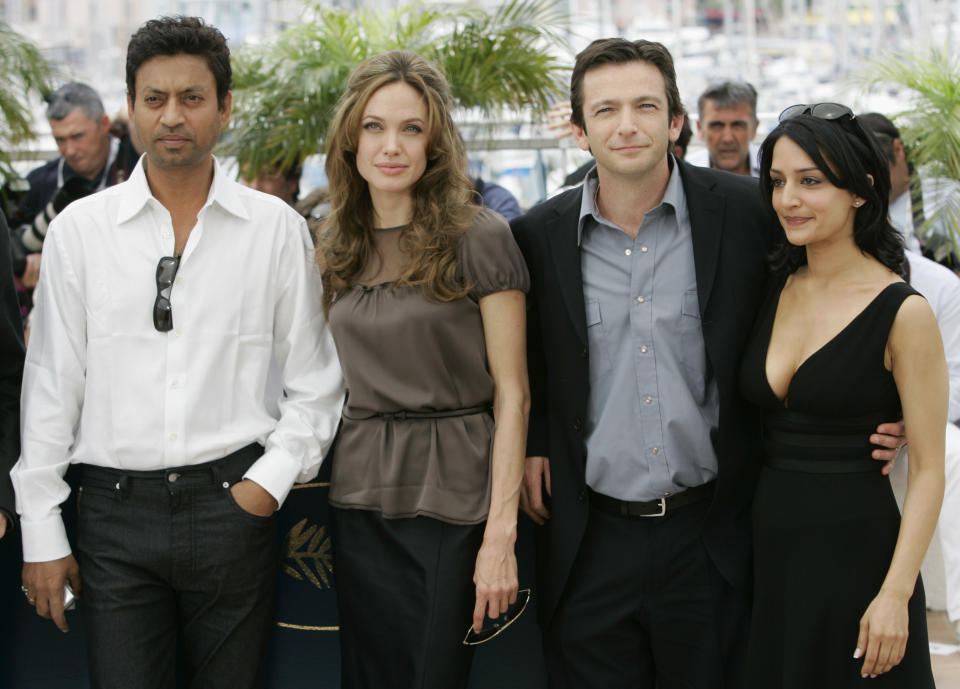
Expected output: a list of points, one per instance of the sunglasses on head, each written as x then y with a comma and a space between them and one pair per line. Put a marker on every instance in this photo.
162, 309
500, 623
822, 111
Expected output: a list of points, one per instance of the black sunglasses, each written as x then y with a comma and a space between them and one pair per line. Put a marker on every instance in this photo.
500, 623
162, 310
823, 111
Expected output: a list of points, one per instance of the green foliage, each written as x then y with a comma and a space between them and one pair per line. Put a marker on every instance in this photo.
930, 126
26, 72
285, 92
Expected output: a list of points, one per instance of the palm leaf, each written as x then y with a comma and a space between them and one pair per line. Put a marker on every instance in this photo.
285, 92
27, 73
929, 124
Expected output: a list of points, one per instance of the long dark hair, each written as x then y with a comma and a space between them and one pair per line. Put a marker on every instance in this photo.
846, 155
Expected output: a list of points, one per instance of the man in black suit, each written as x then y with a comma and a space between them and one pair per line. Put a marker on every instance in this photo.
11, 372
642, 455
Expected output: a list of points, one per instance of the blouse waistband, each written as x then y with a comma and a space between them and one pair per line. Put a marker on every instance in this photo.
404, 414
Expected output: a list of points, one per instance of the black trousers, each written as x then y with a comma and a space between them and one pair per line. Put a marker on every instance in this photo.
645, 607
169, 560
406, 596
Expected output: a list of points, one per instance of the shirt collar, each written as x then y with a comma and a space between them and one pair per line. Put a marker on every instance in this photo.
223, 192
673, 197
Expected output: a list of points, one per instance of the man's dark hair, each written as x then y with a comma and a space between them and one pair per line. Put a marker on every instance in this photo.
606, 51
686, 133
71, 96
729, 94
846, 154
883, 130
176, 36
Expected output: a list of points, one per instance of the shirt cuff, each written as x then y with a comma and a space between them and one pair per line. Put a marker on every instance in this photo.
44, 540
275, 472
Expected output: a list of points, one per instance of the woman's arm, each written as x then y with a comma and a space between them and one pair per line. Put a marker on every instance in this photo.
915, 355
504, 326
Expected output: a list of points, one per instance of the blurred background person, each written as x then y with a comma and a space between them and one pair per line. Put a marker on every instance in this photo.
282, 182
91, 159
727, 125
11, 372
913, 198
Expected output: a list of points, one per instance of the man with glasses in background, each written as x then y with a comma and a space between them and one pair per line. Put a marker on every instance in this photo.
727, 125
165, 301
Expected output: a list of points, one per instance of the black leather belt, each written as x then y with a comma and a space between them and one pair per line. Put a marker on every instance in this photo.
650, 508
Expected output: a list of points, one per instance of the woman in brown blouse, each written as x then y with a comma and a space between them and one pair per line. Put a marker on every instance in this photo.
426, 301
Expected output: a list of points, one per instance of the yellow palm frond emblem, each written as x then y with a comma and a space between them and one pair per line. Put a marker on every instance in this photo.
306, 554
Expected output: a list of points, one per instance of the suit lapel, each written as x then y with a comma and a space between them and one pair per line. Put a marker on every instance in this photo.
562, 240
706, 226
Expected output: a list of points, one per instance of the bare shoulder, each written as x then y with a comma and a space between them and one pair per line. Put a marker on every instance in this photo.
915, 327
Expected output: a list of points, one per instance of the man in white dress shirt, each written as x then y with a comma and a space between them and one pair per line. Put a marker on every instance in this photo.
162, 303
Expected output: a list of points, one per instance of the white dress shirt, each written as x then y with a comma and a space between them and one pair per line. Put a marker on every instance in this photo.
941, 288
102, 386
937, 191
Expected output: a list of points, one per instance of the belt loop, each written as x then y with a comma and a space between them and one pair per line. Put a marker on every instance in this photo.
215, 473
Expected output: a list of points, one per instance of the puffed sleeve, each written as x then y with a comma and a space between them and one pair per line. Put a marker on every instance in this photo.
489, 257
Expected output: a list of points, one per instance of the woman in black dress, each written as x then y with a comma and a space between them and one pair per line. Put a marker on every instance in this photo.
841, 344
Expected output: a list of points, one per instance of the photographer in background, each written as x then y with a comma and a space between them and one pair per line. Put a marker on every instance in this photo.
90, 160
11, 372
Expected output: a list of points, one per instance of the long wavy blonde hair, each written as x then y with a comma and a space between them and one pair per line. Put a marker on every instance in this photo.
442, 208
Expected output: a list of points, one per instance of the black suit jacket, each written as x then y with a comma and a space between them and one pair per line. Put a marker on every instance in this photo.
732, 234
11, 372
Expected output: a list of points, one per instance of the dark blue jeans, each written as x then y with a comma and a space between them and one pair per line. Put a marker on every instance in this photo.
170, 563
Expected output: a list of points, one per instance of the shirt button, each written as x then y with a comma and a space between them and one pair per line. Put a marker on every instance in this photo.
640, 300
643, 249
648, 399
643, 349
175, 384
628, 252
177, 333
656, 451
173, 436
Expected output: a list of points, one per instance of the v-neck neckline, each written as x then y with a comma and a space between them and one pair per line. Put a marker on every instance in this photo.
766, 350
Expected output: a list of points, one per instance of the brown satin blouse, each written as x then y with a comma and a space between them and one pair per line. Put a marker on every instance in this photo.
400, 351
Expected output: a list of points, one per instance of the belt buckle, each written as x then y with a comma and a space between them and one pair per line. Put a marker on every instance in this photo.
663, 509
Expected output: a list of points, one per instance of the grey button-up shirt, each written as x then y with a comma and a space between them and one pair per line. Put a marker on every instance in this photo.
653, 400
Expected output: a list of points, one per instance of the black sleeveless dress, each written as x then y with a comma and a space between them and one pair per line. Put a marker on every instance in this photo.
825, 521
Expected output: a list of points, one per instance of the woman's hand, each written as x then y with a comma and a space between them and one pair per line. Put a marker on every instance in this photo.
495, 577
883, 634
